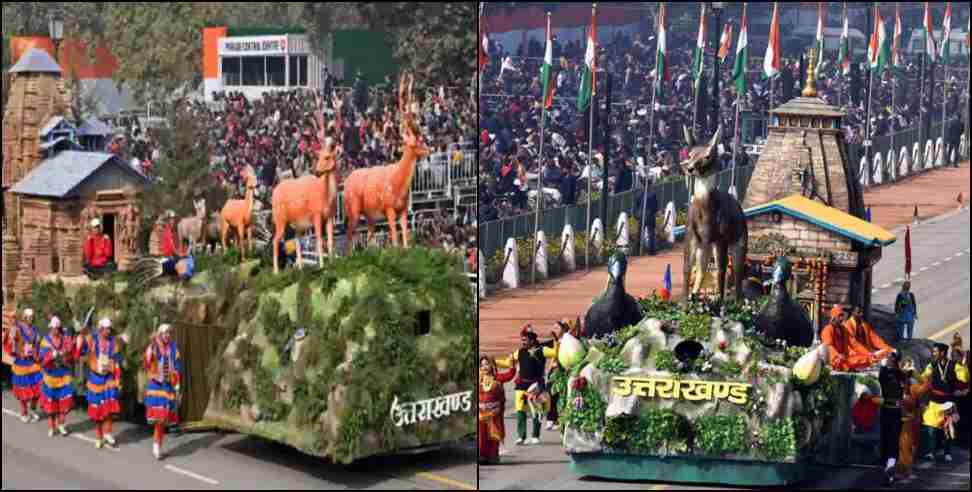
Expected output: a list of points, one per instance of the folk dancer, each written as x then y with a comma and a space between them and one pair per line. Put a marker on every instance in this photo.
893, 381
57, 390
492, 402
944, 375
844, 352
104, 357
529, 362
961, 388
914, 392
23, 345
164, 367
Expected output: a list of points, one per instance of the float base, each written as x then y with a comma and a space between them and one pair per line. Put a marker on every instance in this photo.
688, 470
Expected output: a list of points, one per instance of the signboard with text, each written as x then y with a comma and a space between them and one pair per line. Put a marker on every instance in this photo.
253, 46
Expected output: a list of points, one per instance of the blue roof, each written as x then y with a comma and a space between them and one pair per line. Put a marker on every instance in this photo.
60, 175
52, 124
36, 61
56, 141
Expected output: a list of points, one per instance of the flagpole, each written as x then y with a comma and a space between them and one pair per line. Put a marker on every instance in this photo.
867, 126
540, 193
946, 45
651, 132
590, 150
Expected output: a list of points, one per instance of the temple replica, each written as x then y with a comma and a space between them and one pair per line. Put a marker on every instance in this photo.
698, 392
51, 191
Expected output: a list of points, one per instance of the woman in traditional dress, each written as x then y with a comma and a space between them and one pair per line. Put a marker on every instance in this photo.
23, 345
164, 367
492, 404
104, 357
57, 391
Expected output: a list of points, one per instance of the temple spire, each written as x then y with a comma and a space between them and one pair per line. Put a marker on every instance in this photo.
810, 88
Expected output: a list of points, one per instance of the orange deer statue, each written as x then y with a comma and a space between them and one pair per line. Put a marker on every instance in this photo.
309, 201
238, 214
384, 191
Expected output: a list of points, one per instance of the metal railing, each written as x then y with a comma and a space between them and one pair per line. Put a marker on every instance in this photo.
493, 235
438, 176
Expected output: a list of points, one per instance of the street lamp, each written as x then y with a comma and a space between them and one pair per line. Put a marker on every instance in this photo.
55, 26
717, 7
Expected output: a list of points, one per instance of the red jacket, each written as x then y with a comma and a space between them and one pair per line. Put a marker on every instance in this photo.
97, 250
168, 241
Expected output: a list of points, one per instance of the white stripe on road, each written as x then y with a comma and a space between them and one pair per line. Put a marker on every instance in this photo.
192, 475
936, 265
76, 436
959, 254
886, 286
924, 269
900, 281
90, 440
946, 260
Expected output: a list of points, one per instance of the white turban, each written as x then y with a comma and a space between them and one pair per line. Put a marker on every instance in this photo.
55, 322
166, 328
105, 323
28, 313
95, 223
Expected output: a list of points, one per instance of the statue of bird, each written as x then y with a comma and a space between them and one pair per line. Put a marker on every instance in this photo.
615, 309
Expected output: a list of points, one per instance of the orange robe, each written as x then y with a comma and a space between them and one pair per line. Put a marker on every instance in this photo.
910, 426
867, 337
845, 352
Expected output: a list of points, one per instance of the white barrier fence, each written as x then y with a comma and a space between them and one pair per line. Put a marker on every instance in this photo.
897, 164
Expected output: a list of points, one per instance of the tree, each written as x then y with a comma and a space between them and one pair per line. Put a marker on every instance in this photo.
184, 173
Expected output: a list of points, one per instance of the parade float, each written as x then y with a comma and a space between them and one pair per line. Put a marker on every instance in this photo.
368, 354
738, 392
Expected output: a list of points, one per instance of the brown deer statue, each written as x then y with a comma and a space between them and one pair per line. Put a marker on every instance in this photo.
383, 192
194, 228
716, 223
238, 214
310, 201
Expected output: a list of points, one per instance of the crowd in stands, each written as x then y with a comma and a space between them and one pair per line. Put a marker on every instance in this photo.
511, 96
279, 135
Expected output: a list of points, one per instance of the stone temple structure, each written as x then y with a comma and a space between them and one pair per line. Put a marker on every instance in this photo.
805, 154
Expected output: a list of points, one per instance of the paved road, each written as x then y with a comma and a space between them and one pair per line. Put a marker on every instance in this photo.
31, 460
940, 280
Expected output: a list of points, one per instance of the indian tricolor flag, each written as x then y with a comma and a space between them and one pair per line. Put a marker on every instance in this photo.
929, 34
549, 85
699, 63
820, 40
725, 43
946, 31
771, 62
896, 58
844, 56
588, 81
877, 50
742, 57
661, 58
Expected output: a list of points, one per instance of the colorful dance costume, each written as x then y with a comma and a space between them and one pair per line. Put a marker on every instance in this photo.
529, 365
57, 391
944, 377
104, 380
164, 367
492, 403
23, 346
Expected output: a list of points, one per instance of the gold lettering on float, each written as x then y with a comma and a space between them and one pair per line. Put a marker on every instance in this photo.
669, 389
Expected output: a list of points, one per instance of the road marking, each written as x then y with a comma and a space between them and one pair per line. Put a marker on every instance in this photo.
443, 480
80, 437
959, 254
900, 281
190, 474
90, 440
886, 286
946, 260
936, 265
924, 269
950, 329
